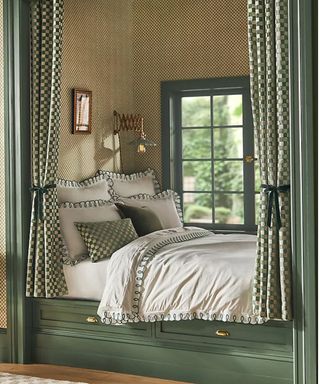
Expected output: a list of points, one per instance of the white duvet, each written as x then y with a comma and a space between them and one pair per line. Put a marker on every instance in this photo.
170, 275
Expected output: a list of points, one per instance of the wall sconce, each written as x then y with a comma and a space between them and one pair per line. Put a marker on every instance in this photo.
132, 122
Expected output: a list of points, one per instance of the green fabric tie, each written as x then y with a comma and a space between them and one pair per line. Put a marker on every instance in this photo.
40, 192
273, 195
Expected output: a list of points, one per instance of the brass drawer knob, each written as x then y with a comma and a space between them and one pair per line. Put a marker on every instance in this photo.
92, 320
222, 332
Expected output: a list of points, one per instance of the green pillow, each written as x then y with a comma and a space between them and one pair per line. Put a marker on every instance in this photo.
105, 237
144, 220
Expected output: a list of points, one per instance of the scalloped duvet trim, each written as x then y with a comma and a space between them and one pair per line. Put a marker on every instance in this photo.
132, 176
123, 318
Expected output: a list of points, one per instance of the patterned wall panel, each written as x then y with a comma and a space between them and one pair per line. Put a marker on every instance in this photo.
97, 55
3, 288
183, 39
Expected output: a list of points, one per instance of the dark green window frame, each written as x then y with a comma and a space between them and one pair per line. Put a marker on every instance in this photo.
171, 96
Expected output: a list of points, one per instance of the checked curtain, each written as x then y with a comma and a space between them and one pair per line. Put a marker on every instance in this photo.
269, 73
45, 276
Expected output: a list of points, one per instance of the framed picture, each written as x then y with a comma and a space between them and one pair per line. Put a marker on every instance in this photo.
82, 111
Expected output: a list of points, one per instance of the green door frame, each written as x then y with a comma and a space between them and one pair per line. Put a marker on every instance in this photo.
303, 158
17, 123
303, 182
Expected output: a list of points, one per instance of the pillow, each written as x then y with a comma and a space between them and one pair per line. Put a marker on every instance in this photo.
143, 219
94, 188
166, 205
104, 238
134, 184
87, 211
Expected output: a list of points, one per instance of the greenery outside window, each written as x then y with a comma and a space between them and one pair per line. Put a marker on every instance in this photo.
208, 151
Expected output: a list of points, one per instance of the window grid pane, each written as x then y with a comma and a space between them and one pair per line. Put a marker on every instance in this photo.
195, 111
196, 143
228, 143
229, 208
197, 175
227, 110
228, 175
197, 207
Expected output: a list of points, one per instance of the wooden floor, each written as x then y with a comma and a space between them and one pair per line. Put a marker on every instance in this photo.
78, 374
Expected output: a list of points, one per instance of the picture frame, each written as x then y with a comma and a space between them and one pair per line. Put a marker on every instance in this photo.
82, 111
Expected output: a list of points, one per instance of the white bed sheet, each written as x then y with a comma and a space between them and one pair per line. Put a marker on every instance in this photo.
86, 280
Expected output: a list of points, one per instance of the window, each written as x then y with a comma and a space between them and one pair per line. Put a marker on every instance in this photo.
208, 151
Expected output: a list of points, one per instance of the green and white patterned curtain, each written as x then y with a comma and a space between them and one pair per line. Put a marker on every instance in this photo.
269, 72
45, 276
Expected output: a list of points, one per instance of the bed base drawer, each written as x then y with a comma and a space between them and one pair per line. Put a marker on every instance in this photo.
273, 336
76, 315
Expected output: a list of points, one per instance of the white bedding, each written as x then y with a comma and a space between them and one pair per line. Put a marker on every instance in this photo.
86, 280
207, 278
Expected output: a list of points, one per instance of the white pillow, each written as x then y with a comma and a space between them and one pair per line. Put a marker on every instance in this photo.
166, 205
94, 188
84, 212
133, 184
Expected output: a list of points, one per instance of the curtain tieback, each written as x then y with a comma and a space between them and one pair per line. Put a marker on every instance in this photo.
40, 192
273, 195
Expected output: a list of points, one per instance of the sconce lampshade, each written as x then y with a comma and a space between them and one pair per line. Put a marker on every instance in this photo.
141, 143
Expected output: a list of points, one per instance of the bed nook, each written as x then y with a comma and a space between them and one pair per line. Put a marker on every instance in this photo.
168, 256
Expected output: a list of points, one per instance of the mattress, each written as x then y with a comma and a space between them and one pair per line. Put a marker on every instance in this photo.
86, 280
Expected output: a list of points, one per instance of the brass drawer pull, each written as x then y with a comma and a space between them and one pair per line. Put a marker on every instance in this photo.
222, 332
92, 320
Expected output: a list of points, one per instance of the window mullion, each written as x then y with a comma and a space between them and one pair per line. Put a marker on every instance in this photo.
178, 163
248, 168
212, 161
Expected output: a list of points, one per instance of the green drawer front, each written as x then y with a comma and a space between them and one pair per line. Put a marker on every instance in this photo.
271, 336
53, 314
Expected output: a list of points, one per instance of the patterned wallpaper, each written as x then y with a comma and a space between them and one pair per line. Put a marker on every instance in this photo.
97, 55
3, 288
123, 49
183, 39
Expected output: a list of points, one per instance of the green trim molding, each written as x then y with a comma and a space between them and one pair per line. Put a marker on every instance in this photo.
17, 172
303, 160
